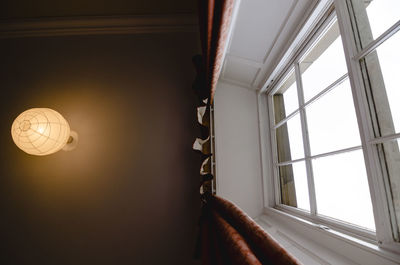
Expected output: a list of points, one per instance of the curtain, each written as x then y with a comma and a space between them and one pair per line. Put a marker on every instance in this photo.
214, 21
229, 236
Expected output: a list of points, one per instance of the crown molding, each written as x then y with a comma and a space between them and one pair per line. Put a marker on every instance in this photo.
237, 83
98, 25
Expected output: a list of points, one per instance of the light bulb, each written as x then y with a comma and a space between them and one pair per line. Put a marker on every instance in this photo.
40, 131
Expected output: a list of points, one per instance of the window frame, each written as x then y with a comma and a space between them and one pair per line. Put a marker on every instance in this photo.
323, 14
376, 178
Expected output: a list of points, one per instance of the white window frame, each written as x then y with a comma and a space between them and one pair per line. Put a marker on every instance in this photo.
323, 13
376, 179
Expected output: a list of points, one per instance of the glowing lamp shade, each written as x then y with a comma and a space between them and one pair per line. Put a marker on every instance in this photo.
40, 131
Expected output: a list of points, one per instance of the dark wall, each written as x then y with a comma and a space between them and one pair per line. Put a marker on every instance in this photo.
128, 194
14, 9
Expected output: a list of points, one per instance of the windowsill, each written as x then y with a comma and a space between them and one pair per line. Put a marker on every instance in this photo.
326, 223
343, 245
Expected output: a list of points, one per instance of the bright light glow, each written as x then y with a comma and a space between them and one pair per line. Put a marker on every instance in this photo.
341, 183
324, 70
332, 121
40, 131
291, 99
341, 188
389, 61
295, 138
382, 15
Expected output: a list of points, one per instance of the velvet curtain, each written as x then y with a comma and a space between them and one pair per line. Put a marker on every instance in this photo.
214, 21
229, 236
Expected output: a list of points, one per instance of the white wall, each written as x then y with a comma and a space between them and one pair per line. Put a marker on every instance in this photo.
237, 147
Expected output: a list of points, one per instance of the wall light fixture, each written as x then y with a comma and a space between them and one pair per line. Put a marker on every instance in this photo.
42, 131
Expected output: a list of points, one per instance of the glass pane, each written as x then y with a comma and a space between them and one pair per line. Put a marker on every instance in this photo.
294, 187
285, 99
323, 64
341, 188
388, 106
290, 98
391, 158
290, 141
332, 121
382, 14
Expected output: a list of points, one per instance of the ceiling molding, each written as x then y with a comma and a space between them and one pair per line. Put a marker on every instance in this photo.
98, 25
236, 83
243, 60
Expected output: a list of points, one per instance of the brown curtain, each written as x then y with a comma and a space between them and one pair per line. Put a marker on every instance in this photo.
229, 236
214, 20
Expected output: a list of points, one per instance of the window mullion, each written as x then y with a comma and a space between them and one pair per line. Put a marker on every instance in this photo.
306, 141
288, 117
340, 151
378, 41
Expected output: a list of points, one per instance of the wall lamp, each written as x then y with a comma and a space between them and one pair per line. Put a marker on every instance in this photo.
42, 131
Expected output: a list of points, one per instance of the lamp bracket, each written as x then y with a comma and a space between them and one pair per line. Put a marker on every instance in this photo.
72, 141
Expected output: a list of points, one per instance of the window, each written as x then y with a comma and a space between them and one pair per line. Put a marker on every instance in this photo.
335, 122
376, 36
318, 142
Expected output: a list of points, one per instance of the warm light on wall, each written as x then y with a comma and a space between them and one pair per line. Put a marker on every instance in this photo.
42, 131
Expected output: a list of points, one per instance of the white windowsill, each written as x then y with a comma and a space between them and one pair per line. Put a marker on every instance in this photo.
312, 244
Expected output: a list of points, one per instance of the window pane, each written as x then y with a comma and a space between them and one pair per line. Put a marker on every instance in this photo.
391, 165
294, 182
324, 63
332, 122
341, 188
285, 99
389, 62
382, 14
290, 98
289, 140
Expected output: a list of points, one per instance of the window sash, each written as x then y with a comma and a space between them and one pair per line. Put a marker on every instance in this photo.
311, 40
369, 143
372, 46
386, 228
338, 224
312, 100
329, 20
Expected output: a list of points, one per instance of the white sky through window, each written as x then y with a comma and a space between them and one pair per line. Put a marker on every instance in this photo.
329, 66
389, 61
300, 182
341, 183
290, 98
341, 188
382, 14
295, 137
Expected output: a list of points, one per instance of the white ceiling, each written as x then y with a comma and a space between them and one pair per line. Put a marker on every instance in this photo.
262, 30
